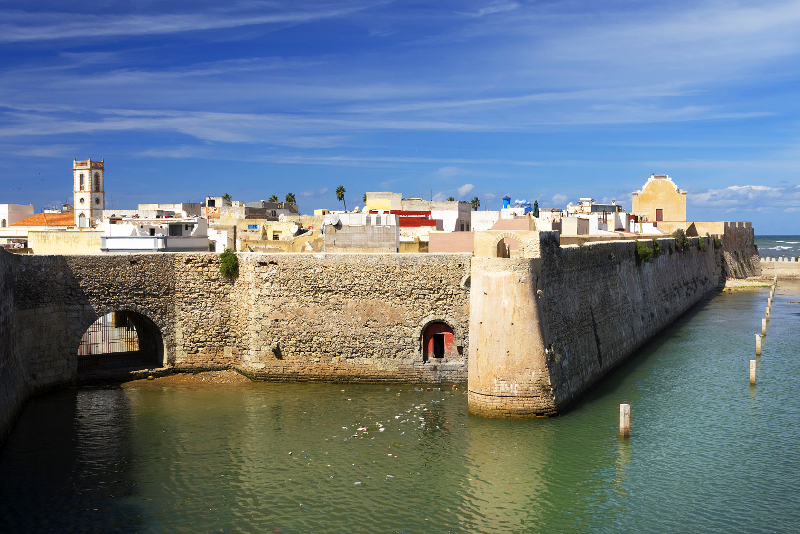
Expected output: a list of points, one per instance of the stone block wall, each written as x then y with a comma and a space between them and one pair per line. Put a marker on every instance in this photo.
350, 317
588, 308
286, 316
12, 383
784, 267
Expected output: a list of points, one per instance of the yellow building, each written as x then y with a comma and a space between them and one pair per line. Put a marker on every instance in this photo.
660, 200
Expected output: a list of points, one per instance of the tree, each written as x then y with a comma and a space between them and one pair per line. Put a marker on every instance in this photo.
476, 203
227, 197
290, 198
364, 198
273, 198
451, 199
340, 191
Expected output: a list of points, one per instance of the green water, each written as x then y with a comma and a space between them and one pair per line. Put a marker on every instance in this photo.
708, 452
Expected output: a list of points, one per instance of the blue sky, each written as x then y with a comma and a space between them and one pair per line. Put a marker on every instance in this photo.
540, 100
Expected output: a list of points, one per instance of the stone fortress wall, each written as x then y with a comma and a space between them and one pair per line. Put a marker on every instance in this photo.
784, 267
335, 317
354, 317
572, 314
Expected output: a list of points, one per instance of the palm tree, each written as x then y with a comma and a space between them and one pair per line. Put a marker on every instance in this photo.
340, 191
476, 203
364, 198
273, 198
451, 199
290, 198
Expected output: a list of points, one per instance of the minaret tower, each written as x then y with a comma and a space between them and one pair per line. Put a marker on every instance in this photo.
89, 189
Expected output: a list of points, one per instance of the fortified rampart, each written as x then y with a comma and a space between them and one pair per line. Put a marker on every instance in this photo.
784, 267
568, 313
557, 320
335, 317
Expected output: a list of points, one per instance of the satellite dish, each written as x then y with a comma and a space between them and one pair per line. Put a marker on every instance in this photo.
294, 229
334, 219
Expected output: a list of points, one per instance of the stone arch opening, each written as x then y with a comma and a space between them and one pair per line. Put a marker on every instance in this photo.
3, 223
438, 342
120, 341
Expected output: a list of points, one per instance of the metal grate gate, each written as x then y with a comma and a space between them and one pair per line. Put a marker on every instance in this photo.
116, 341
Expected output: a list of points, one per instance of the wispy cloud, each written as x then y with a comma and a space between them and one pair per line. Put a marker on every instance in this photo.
21, 26
748, 198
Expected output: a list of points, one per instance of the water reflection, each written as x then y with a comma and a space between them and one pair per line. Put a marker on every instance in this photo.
317, 457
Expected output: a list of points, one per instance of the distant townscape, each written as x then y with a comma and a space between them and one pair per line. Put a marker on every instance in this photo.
385, 222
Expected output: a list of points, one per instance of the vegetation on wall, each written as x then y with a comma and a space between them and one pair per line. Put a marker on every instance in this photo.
701, 244
716, 240
682, 242
228, 264
643, 252
656, 247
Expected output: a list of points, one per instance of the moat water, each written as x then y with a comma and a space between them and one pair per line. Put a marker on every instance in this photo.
708, 453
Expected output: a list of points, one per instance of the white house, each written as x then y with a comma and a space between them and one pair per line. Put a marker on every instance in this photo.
155, 235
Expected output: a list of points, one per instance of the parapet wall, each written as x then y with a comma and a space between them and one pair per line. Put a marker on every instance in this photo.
784, 267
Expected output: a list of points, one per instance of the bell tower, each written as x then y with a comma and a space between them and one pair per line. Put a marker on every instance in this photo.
89, 190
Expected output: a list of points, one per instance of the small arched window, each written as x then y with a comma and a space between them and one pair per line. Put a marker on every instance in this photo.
81, 181
3, 223
97, 181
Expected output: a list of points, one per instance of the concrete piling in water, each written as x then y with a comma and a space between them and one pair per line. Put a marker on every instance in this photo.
763, 327
758, 345
624, 420
752, 372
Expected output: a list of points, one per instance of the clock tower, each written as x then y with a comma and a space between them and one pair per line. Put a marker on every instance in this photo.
89, 190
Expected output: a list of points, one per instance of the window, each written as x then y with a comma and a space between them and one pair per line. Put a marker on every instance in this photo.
276, 236
210, 203
152, 231
369, 220
377, 220
274, 213
3, 223
175, 230
81, 182
97, 181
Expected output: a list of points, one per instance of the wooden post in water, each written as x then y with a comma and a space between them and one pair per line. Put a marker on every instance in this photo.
763, 327
752, 372
767, 313
758, 345
624, 420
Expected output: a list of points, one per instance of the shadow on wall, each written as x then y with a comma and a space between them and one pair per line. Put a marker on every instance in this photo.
120, 341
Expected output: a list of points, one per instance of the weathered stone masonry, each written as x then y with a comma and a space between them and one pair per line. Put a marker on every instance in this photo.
580, 311
573, 313
330, 317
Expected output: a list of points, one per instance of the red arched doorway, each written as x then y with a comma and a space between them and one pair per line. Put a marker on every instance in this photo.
438, 342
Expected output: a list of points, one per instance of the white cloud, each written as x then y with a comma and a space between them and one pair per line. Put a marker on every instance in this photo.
464, 189
559, 200
489, 196
747, 198
440, 196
